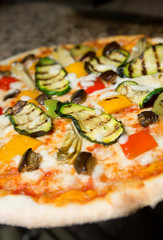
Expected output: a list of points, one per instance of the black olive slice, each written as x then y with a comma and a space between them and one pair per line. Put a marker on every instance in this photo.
108, 76
110, 47
147, 117
88, 56
79, 96
11, 95
42, 97
30, 161
84, 162
28, 57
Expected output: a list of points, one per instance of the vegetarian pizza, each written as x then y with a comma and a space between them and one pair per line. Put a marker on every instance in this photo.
81, 131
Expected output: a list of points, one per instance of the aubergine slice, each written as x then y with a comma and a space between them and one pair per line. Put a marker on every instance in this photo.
105, 63
103, 129
140, 95
149, 62
50, 77
29, 120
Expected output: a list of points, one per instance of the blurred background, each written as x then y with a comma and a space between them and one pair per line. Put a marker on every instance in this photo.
27, 24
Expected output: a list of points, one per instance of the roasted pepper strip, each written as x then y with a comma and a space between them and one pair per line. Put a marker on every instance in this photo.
77, 68
137, 144
32, 95
115, 103
17, 146
96, 85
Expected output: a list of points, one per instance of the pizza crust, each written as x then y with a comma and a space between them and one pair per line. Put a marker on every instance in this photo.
23, 211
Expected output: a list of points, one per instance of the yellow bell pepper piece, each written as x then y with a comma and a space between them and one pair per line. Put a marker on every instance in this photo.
115, 103
29, 93
77, 68
17, 146
99, 52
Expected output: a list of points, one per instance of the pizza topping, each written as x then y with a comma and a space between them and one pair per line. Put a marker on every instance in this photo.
149, 62
79, 96
99, 65
71, 146
141, 45
91, 86
6, 81
108, 76
147, 117
80, 50
28, 119
140, 95
29, 162
88, 56
1, 110
137, 144
42, 97
17, 146
11, 94
84, 163
50, 77
110, 47
29, 57
19, 70
50, 107
28, 95
115, 103
158, 105
77, 68
63, 56
90, 125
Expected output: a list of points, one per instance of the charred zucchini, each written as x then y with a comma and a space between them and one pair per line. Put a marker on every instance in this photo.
50, 77
140, 95
109, 62
149, 62
29, 120
80, 50
158, 105
103, 129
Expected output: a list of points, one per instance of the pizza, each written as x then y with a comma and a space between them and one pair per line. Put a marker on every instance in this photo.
81, 131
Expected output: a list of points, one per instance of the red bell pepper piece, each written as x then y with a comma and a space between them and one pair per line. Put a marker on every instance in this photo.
137, 144
98, 84
1, 111
6, 81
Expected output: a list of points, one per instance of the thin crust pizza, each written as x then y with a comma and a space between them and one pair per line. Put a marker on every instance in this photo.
81, 131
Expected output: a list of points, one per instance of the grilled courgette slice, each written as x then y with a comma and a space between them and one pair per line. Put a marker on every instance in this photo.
109, 62
103, 129
149, 62
140, 95
50, 77
29, 120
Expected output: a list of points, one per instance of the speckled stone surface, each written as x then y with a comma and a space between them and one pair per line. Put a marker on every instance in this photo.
27, 25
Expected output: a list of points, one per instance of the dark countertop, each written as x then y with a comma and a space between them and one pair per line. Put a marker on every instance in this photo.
27, 25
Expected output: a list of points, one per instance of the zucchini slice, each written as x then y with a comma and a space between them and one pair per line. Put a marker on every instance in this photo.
109, 62
149, 62
50, 77
140, 95
103, 129
29, 120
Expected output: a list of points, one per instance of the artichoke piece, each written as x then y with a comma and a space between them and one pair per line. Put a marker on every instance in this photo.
30, 161
21, 72
71, 146
137, 50
63, 56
